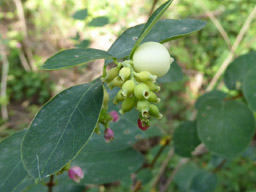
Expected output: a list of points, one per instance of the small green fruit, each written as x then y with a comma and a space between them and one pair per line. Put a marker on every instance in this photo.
128, 88
127, 105
141, 91
125, 73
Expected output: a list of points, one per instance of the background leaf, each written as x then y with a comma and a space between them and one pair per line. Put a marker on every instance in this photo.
185, 139
249, 88
106, 167
225, 128
174, 74
163, 31
99, 22
185, 176
238, 69
72, 57
204, 182
80, 14
150, 24
61, 129
12, 171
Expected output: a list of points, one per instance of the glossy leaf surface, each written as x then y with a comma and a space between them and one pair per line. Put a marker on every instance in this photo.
12, 171
61, 129
163, 31
73, 57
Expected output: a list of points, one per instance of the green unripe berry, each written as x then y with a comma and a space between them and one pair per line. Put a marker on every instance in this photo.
141, 91
127, 105
153, 98
111, 74
152, 86
154, 111
152, 57
125, 73
116, 82
143, 108
145, 76
128, 88
119, 97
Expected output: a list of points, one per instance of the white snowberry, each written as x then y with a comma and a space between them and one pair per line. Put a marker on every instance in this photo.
152, 57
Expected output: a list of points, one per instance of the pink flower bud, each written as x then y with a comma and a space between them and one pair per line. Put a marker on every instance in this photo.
76, 174
108, 135
18, 45
114, 115
143, 126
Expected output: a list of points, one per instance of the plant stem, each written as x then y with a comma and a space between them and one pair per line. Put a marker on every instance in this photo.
51, 183
218, 168
4, 80
151, 165
163, 167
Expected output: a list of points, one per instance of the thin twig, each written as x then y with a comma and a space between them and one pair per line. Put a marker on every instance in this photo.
51, 183
24, 31
217, 24
5, 69
233, 49
218, 168
163, 167
24, 61
152, 8
151, 165
170, 179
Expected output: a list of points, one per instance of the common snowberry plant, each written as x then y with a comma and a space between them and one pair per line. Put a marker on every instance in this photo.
86, 132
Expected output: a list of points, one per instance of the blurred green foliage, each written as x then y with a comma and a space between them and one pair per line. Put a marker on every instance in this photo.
53, 21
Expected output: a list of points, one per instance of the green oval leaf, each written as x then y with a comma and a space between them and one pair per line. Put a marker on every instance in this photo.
106, 167
99, 22
237, 70
185, 176
185, 139
163, 31
204, 182
150, 23
215, 94
249, 88
80, 14
73, 57
225, 128
61, 129
12, 171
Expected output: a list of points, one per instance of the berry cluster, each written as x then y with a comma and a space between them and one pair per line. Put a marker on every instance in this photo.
136, 90
137, 82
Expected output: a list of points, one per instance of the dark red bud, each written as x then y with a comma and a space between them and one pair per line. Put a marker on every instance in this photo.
142, 125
